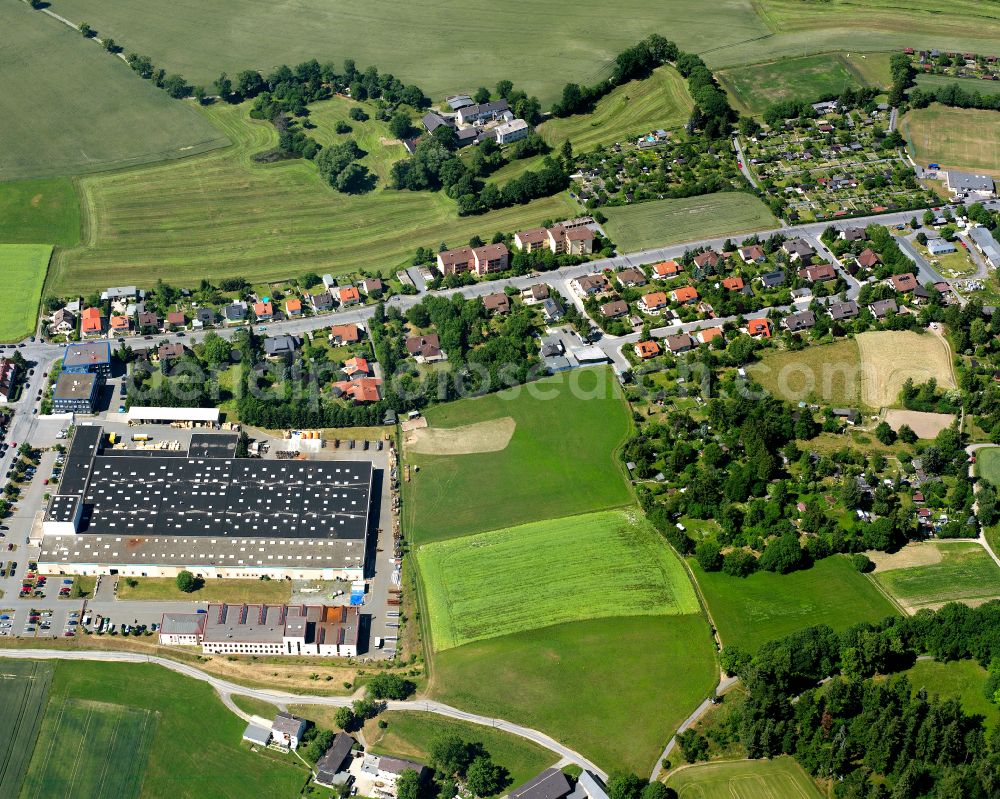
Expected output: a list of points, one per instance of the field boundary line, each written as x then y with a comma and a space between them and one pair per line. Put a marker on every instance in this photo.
892, 600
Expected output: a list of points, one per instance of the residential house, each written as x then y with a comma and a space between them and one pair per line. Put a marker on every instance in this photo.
709, 334
550, 784
772, 280
632, 277
204, 317
803, 320
322, 301
372, 286
348, 295
733, 283
497, 303
552, 309
852, 234
264, 311
850, 415
571, 239
667, 269
481, 112
282, 346
344, 334
815, 274
759, 328
122, 294
882, 308
166, 353
286, 730
939, 246
535, 294
614, 309
903, 283
356, 367
388, 770
653, 302
483, 260
685, 294
148, 321
433, 120
63, 321
91, 323
754, 254
868, 259
512, 131
647, 349
120, 325
589, 285
425, 349
920, 295
983, 241
359, 390
709, 258
329, 282
293, 307
843, 310
8, 379
333, 760
176, 320
235, 313
798, 249
680, 343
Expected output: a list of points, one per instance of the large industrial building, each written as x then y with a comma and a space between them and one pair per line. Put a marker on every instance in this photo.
156, 513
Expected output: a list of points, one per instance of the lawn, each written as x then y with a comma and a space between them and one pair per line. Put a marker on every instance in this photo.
425, 44
91, 749
964, 572
988, 464
659, 101
661, 222
959, 138
43, 211
196, 750
752, 89
545, 573
409, 735
23, 267
255, 707
222, 214
829, 372
613, 689
956, 679
764, 606
560, 460
235, 591
69, 107
23, 693
781, 778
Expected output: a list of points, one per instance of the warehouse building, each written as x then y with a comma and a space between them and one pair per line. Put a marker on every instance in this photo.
156, 513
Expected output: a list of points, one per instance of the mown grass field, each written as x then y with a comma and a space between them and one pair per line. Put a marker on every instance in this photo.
956, 679
195, 750
560, 460
988, 464
984, 87
372, 135
23, 267
753, 88
544, 573
420, 43
43, 211
409, 735
960, 138
829, 372
70, 107
662, 222
781, 778
23, 694
751, 611
613, 689
965, 573
91, 749
660, 101
235, 591
222, 214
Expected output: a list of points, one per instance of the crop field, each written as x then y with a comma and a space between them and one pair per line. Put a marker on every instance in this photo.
751, 611
662, 222
23, 692
613, 689
753, 88
888, 358
69, 107
660, 101
199, 40
544, 573
957, 571
410, 734
956, 679
960, 138
44, 211
549, 469
185, 710
224, 215
828, 372
988, 464
23, 267
781, 778
90, 749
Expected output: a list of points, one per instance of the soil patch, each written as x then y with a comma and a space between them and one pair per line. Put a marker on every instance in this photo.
914, 554
491, 436
925, 425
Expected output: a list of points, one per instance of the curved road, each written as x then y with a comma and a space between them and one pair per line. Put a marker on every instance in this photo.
227, 689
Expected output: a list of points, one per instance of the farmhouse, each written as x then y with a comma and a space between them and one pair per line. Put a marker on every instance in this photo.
653, 302
754, 254
550, 784
203, 510
512, 131
903, 283
425, 349
814, 274
987, 245
388, 770
967, 184
803, 320
482, 112
481, 260
614, 309
647, 349
287, 730
632, 277
330, 765
843, 310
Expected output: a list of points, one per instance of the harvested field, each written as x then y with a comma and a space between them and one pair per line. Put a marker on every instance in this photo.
888, 358
490, 436
912, 555
925, 425
964, 573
